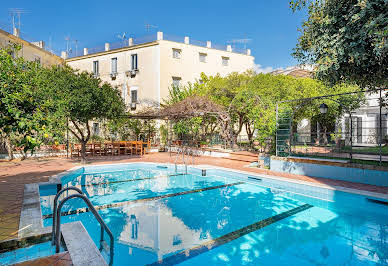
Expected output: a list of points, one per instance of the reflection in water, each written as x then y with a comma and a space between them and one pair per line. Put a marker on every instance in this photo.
146, 232
153, 227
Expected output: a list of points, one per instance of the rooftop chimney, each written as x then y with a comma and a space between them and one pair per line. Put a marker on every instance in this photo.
86, 51
159, 35
40, 44
209, 44
64, 55
16, 32
187, 40
107, 46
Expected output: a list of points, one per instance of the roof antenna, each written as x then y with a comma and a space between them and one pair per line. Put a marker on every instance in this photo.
150, 26
123, 38
244, 41
16, 12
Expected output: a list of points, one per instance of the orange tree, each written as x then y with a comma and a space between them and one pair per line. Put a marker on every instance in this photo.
80, 98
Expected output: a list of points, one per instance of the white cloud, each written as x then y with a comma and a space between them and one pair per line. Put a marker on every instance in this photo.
260, 69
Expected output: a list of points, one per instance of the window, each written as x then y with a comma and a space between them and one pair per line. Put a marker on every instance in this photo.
134, 62
133, 95
225, 61
114, 65
37, 59
176, 81
95, 68
202, 57
176, 53
176, 240
96, 129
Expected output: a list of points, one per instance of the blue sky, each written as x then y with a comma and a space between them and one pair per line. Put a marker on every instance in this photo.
270, 24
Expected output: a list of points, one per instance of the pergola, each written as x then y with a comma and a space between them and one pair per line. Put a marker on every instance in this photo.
194, 106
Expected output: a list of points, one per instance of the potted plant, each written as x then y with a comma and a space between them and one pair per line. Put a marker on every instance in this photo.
202, 144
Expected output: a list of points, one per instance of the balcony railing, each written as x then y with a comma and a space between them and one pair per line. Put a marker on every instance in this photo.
151, 38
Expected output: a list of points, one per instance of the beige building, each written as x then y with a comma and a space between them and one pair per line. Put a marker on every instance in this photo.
145, 69
31, 51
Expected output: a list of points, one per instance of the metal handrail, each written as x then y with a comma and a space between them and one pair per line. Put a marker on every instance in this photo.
96, 215
55, 209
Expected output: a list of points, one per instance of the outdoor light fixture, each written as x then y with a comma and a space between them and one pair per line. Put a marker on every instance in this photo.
323, 108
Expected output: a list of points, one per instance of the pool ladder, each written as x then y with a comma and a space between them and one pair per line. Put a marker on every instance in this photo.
56, 227
183, 151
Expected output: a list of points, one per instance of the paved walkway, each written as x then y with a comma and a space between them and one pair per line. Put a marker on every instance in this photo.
13, 176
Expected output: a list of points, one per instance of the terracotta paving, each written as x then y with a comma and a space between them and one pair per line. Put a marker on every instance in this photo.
13, 176
60, 259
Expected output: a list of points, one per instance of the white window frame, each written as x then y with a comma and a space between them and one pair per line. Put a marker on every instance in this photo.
113, 66
204, 56
96, 129
96, 68
176, 79
134, 88
225, 59
134, 62
176, 53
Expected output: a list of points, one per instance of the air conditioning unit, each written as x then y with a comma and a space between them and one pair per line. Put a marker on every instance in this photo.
133, 106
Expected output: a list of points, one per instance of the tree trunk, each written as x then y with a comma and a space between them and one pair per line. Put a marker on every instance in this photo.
9, 148
250, 133
83, 152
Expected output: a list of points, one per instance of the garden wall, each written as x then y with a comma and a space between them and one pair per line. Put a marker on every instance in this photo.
366, 174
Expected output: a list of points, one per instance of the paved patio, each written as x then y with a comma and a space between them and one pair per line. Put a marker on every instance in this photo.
13, 176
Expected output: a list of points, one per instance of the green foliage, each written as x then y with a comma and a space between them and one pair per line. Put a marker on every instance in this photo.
22, 107
131, 129
346, 40
179, 93
79, 98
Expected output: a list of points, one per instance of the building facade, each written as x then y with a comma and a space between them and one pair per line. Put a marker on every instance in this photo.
30, 51
144, 70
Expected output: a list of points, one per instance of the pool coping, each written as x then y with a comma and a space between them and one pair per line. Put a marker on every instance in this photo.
300, 182
57, 178
78, 242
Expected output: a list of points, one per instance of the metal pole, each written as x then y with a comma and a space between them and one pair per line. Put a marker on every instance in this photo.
67, 137
381, 128
351, 135
276, 133
290, 128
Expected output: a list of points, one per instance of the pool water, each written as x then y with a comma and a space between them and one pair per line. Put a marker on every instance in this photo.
30, 252
159, 216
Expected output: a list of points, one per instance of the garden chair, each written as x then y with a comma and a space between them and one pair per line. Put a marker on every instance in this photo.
108, 148
116, 148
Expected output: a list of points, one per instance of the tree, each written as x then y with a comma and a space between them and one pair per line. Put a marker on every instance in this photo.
80, 98
347, 40
22, 106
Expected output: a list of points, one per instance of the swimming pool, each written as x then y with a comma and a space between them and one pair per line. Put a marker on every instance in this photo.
162, 216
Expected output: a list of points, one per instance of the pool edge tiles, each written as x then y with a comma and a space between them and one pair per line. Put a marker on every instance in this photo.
212, 244
295, 183
124, 203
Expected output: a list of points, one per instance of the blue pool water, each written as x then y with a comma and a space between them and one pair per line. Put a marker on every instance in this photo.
224, 218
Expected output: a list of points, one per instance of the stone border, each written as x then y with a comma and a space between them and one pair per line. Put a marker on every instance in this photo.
331, 162
81, 247
300, 182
